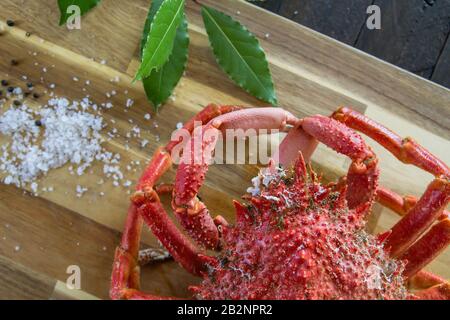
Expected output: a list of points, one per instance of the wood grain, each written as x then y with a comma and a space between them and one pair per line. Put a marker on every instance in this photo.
48, 238
18, 282
312, 74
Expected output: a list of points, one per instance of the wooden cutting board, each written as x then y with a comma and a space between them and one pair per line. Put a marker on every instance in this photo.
41, 236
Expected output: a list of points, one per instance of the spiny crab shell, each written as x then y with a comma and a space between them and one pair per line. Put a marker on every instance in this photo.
297, 239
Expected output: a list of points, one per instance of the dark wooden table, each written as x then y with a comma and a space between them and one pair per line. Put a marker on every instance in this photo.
414, 34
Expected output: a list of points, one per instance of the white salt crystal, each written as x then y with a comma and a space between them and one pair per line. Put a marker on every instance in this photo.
144, 142
34, 187
127, 183
68, 135
129, 103
80, 190
8, 180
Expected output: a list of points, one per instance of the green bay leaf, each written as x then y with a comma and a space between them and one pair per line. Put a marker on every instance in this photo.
156, 4
160, 84
84, 5
160, 39
239, 54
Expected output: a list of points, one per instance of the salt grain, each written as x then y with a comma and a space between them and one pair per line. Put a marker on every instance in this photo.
80, 190
67, 135
129, 103
127, 183
144, 143
34, 187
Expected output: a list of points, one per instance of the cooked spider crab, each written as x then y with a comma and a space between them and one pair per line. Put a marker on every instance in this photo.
294, 238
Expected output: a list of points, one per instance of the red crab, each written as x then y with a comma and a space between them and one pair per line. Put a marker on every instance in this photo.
295, 238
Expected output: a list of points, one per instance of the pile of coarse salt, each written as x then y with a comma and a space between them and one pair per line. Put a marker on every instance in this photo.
58, 133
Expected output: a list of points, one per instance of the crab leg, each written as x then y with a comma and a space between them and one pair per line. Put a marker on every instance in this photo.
420, 217
398, 204
192, 213
406, 150
438, 292
431, 286
296, 140
427, 248
145, 203
424, 280
125, 273
362, 176
179, 246
435, 198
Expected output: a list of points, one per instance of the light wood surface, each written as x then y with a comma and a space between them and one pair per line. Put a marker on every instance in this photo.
312, 74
